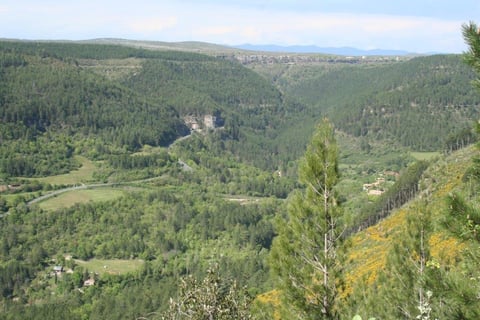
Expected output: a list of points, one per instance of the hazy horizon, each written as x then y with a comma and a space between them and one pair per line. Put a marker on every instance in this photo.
415, 26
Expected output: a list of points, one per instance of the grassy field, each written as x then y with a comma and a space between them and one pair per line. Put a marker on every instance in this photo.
83, 174
424, 155
114, 266
67, 199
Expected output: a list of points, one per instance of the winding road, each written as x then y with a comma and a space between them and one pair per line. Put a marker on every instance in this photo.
83, 186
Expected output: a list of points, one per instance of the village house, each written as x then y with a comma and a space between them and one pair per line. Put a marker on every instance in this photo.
376, 188
375, 192
368, 186
89, 282
58, 269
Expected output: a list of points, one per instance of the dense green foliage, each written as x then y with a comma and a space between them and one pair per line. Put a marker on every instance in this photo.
210, 197
47, 155
178, 231
213, 298
44, 97
431, 269
416, 103
201, 86
47, 93
45, 87
53, 109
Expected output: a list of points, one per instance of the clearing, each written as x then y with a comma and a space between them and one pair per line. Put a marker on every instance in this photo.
83, 174
68, 199
424, 155
112, 266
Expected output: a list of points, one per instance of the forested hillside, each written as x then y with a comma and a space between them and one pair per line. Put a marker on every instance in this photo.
252, 111
46, 101
50, 90
420, 103
119, 201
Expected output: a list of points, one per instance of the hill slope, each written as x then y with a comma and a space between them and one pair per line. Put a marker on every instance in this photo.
416, 102
390, 252
127, 98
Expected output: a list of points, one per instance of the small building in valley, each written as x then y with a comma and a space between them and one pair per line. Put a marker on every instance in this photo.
57, 269
89, 282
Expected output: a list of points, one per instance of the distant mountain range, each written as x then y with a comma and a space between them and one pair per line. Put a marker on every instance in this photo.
204, 47
343, 51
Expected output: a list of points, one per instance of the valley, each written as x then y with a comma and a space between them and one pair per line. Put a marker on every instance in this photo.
144, 165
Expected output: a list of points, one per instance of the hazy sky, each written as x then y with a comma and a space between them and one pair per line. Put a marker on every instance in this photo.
413, 25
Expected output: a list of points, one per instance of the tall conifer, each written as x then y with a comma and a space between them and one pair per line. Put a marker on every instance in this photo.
471, 35
304, 255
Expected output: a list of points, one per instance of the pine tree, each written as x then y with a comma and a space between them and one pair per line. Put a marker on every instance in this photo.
305, 254
462, 218
471, 35
462, 285
405, 287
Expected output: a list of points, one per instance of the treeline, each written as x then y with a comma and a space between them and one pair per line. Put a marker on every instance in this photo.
213, 84
215, 165
70, 50
104, 233
8, 59
126, 161
432, 100
14, 276
460, 139
44, 100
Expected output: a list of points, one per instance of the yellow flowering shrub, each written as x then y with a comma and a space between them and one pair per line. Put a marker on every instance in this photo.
444, 249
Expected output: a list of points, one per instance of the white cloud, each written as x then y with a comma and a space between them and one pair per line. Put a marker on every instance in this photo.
251, 21
152, 25
214, 31
362, 30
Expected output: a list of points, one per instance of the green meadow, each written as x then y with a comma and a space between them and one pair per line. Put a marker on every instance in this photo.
83, 174
68, 199
112, 266
424, 155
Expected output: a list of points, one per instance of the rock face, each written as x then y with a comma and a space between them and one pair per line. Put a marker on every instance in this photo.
210, 121
196, 123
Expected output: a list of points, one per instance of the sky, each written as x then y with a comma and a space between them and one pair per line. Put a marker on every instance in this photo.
420, 26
